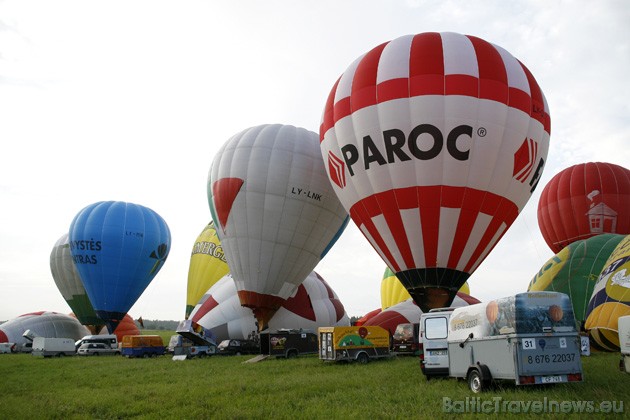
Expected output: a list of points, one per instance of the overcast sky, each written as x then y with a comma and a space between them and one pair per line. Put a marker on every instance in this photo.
130, 100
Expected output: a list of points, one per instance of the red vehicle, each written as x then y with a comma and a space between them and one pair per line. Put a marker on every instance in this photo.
406, 339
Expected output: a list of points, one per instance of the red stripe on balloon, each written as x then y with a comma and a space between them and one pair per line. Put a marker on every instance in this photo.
364, 80
209, 304
224, 192
301, 304
430, 200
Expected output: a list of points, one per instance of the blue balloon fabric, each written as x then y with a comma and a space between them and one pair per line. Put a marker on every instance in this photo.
117, 248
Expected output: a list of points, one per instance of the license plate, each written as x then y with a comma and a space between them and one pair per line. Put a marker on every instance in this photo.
551, 379
403, 347
438, 353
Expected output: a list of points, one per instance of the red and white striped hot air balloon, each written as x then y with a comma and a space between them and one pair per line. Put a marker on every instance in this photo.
434, 143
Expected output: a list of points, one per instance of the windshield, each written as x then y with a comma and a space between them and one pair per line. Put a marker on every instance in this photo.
404, 332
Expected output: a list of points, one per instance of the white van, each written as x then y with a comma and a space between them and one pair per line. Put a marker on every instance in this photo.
110, 340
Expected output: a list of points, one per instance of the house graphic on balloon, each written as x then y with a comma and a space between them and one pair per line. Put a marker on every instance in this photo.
601, 218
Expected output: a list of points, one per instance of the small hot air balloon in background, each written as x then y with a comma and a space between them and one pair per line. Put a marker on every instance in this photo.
582, 201
275, 212
611, 298
207, 266
70, 285
118, 248
574, 271
393, 292
434, 143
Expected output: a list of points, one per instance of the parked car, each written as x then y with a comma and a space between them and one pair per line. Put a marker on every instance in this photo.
238, 347
96, 349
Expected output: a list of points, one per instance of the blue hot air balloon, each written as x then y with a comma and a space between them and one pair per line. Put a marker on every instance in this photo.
118, 248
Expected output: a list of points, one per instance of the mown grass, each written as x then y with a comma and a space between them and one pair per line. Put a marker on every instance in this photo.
225, 387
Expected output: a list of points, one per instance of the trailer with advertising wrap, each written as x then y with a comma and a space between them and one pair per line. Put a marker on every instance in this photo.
354, 343
288, 343
530, 338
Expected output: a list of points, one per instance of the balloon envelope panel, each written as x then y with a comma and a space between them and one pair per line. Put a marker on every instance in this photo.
207, 265
275, 211
434, 143
118, 248
575, 270
43, 324
313, 305
70, 284
611, 298
582, 201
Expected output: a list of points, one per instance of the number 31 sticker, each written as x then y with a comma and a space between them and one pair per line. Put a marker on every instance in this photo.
529, 344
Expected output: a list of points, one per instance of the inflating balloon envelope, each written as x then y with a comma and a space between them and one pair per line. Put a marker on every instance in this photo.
434, 143
275, 211
69, 283
118, 248
207, 266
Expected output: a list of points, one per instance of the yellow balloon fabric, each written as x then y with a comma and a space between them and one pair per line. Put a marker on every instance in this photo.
610, 299
207, 266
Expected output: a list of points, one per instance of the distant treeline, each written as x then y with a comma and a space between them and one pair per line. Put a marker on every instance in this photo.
156, 324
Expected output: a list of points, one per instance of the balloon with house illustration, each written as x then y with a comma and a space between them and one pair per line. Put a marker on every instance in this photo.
393, 292
207, 265
584, 200
68, 281
434, 143
275, 212
575, 270
118, 248
611, 298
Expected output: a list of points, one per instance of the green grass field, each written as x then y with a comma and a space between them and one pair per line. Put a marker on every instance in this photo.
113, 387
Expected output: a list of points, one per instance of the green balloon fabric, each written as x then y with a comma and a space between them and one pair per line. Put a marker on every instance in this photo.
575, 270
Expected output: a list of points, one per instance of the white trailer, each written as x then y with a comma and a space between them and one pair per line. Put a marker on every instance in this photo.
49, 347
624, 342
529, 338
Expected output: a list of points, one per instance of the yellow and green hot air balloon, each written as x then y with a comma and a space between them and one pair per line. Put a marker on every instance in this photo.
611, 298
393, 292
207, 266
574, 271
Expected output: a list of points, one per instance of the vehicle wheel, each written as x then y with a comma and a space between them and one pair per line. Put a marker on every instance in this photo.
60, 354
291, 355
475, 382
238, 353
96, 354
202, 355
145, 355
363, 358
